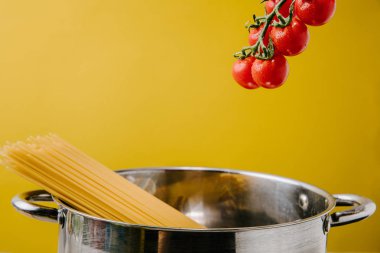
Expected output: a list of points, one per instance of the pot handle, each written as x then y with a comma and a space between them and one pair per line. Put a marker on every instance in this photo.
24, 203
363, 208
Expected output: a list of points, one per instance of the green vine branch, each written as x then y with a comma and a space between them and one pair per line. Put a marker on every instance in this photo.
259, 50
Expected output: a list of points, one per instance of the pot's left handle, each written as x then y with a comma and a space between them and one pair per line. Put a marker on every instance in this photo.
24, 203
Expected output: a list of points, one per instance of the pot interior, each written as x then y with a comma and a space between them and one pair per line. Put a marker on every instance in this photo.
231, 199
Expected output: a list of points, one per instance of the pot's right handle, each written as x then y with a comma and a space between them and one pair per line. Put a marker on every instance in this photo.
363, 208
24, 203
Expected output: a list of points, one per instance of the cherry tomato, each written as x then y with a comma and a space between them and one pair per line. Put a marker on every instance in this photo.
315, 12
290, 40
284, 10
254, 35
241, 72
270, 73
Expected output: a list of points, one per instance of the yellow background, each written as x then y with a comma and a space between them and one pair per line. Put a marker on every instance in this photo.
148, 83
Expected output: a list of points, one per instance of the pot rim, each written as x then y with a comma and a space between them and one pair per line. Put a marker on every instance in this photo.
331, 200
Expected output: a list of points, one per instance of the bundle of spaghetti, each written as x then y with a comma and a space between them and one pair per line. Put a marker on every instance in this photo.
87, 185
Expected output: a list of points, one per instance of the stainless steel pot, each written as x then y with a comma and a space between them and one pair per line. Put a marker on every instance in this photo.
244, 212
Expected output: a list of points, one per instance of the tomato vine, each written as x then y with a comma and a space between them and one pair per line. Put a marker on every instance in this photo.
259, 50
281, 32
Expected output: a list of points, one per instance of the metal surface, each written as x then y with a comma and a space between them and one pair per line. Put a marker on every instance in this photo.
363, 208
24, 203
244, 212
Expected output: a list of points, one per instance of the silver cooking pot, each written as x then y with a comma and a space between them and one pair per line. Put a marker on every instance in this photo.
244, 212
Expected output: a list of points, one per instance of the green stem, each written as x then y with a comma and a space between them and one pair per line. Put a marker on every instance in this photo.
285, 21
260, 42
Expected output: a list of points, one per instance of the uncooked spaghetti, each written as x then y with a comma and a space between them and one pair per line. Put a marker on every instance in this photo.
87, 185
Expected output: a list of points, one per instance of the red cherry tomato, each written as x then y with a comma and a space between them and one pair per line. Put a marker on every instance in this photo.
315, 12
254, 35
270, 73
290, 40
241, 72
284, 10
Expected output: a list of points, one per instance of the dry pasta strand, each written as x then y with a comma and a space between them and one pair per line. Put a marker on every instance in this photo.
87, 185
